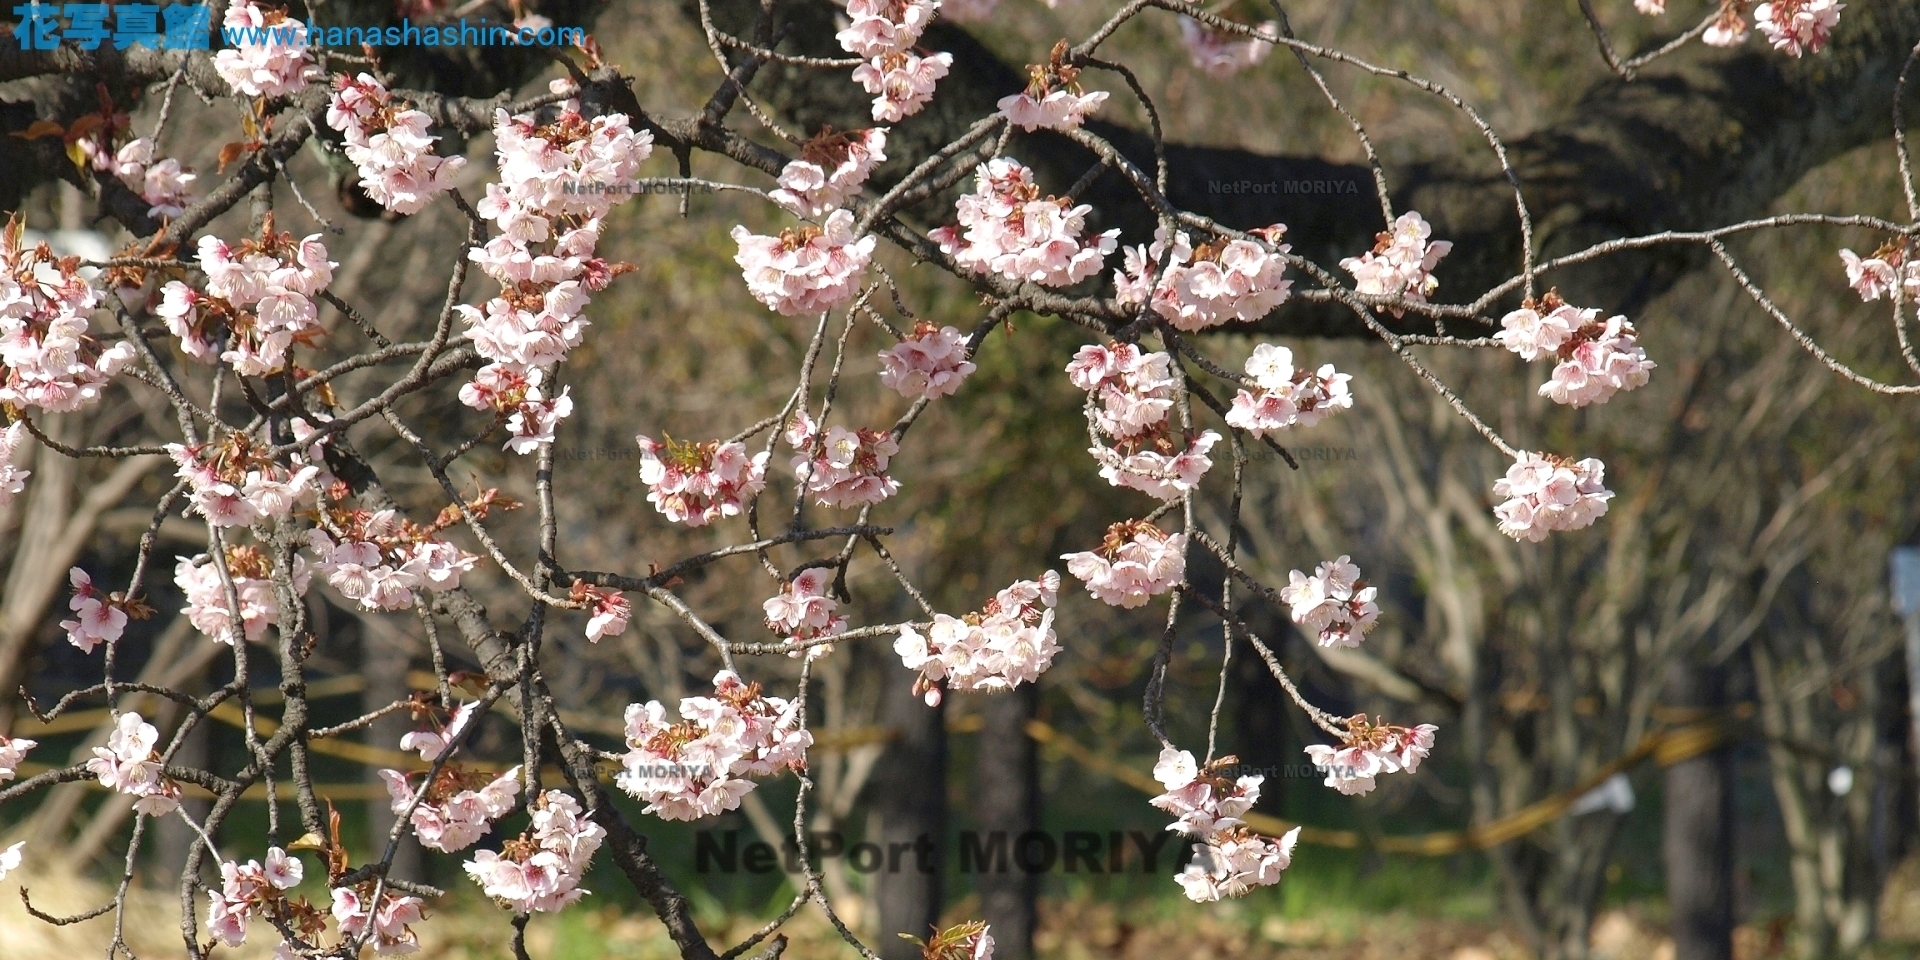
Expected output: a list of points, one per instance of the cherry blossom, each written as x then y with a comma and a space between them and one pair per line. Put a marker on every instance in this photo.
101, 619
249, 570
1400, 264
699, 766
1009, 642
12, 752
455, 808
1208, 285
1133, 391
1651, 8
1220, 54
1231, 864
803, 610
829, 171
389, 923
1284, 397
249, 890
1369, 749
1204, 802
1797, 26
1166, 472
129, 764
842, 467
541, 870
804, 270
383, 559
11, 858
1136, 561
1334, 603
880, 27
232, 483
1052, 99
162, 184
47, 359
901, 82
608, 611
1597, 358
431, 743
1891, 271
531, 426
12, 478
1006, 227
697, 483
274, 67
930, 363
261, 290
1729, 28
1545, 493
389, 146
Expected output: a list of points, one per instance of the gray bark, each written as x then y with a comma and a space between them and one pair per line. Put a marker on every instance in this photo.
1698, 837
1007, 800
907, 814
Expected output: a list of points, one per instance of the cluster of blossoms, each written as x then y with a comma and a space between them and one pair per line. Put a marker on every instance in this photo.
1891, 271
1130, 394
389, 921
47, 360
251, 573
1006, 227
380, 558
1220, 54
1401, 262
274, 67
699, 766
11, 858
389, 146
249, 890
129, 764
1230, 859
233, 483
430, 741
12, 478
1135, 562
541, 870
1208, 285
1797, 27
884, 31
1368, 750
12, 752
1284, 397
847, 468
804, 270
162, 184
99, 617
1052, 99
1334, 603
260, 293
831, 168
1009, 642
698, 483
558, 180
1545, 493
930, 363
1597, 358
608, 611
803, 610
454, 808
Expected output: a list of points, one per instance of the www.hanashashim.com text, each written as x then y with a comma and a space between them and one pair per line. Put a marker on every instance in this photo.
405, 35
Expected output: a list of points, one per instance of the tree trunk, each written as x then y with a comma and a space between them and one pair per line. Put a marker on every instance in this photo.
1697, 840
1007, 801
908, 816
385, 663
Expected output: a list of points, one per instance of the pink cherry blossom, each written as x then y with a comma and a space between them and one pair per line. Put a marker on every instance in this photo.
1165, 474
129, 764
273, 67
432, 743
1651, 8
1133, 390
47, 358
700, 766
1009, 642
389, 146
880, 27
901, 82
1797, 26
1204, 802
1052, 99
1370, 749
1233, 864
1284, 398
1892, 271
1729, 28
1006, 227
12, 478
12, 752
454, 809
100, 619
1209, 285
11, 858
1334, 603
608, 610
803, 610
1544, 493
1400, 264
162, 184
1136, 562
387, 925
540, 872
1220, 54
931, 363
206, 594
1597, 358
697, 483
842, 467
829, 171
804, 270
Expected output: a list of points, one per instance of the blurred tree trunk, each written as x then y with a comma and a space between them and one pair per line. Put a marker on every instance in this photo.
908, 816
1006, 796
1698, 824
385, 660
173, 839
